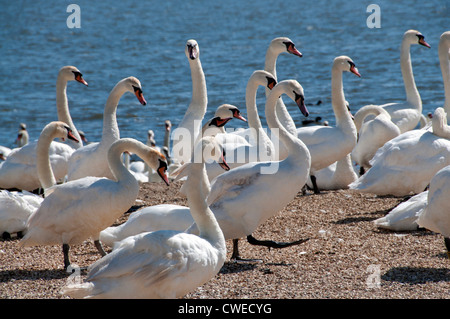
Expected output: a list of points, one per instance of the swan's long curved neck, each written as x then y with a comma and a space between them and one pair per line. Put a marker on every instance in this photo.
201, 213
121, 173
444, 60
296, 148
44, 168
110, 131
282, 112
343, 118
412, 94
253, 119
366, 111
199, 91
62, 107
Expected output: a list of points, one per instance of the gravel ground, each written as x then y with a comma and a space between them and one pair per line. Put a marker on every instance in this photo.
346, 256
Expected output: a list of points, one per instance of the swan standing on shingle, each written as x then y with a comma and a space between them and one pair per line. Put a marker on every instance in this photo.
165, 263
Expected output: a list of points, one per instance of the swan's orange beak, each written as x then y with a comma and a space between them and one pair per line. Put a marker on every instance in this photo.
72, 137
139, 95
354, 70
424, 43
300, 100
237, 114
292, 49
162, 171
80, 79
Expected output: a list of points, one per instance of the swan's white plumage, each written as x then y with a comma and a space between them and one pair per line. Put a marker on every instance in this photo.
79, 209
161, 264
406, 164
435, 216
19, 170
329, 144
91, 160
404, 216
17, 207
372, 134
187, 131
406, 115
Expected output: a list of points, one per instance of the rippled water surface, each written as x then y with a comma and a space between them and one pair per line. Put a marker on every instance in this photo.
146, 39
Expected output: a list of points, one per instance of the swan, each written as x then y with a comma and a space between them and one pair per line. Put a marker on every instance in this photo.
237, 197
170, 216
189, 128
4, 152
372, 134
338, 175
259, 146
19, 170
406, 115
435, 216
17, 207
329, 144
279, 46
91, 159
22, 136
79, 209
406, 164
404, 216
165, 263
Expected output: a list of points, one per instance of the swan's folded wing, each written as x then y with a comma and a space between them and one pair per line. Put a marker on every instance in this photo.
149, 257
235, 180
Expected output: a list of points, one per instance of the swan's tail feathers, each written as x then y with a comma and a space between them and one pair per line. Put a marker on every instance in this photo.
108, 236
78, 291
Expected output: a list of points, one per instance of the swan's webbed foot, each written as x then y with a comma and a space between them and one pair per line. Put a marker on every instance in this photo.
236, 256
99, 247
274, 244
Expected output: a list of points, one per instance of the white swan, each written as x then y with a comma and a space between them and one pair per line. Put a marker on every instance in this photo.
259, 146
435, 216
406, 115
372, 134
189, 128
162, 216
22, 136
404, 216
91, 160
278, 46
17, 207
239, 198
236, 198
328, 144
406, 164
79, 209
162, 264
19, 170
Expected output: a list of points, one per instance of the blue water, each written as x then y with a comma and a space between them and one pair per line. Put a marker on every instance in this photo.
146, 39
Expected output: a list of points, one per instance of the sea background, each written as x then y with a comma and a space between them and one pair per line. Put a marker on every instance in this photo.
146, 39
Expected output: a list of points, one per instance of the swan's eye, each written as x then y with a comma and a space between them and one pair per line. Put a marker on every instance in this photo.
298, 97
352, 65
288, 45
